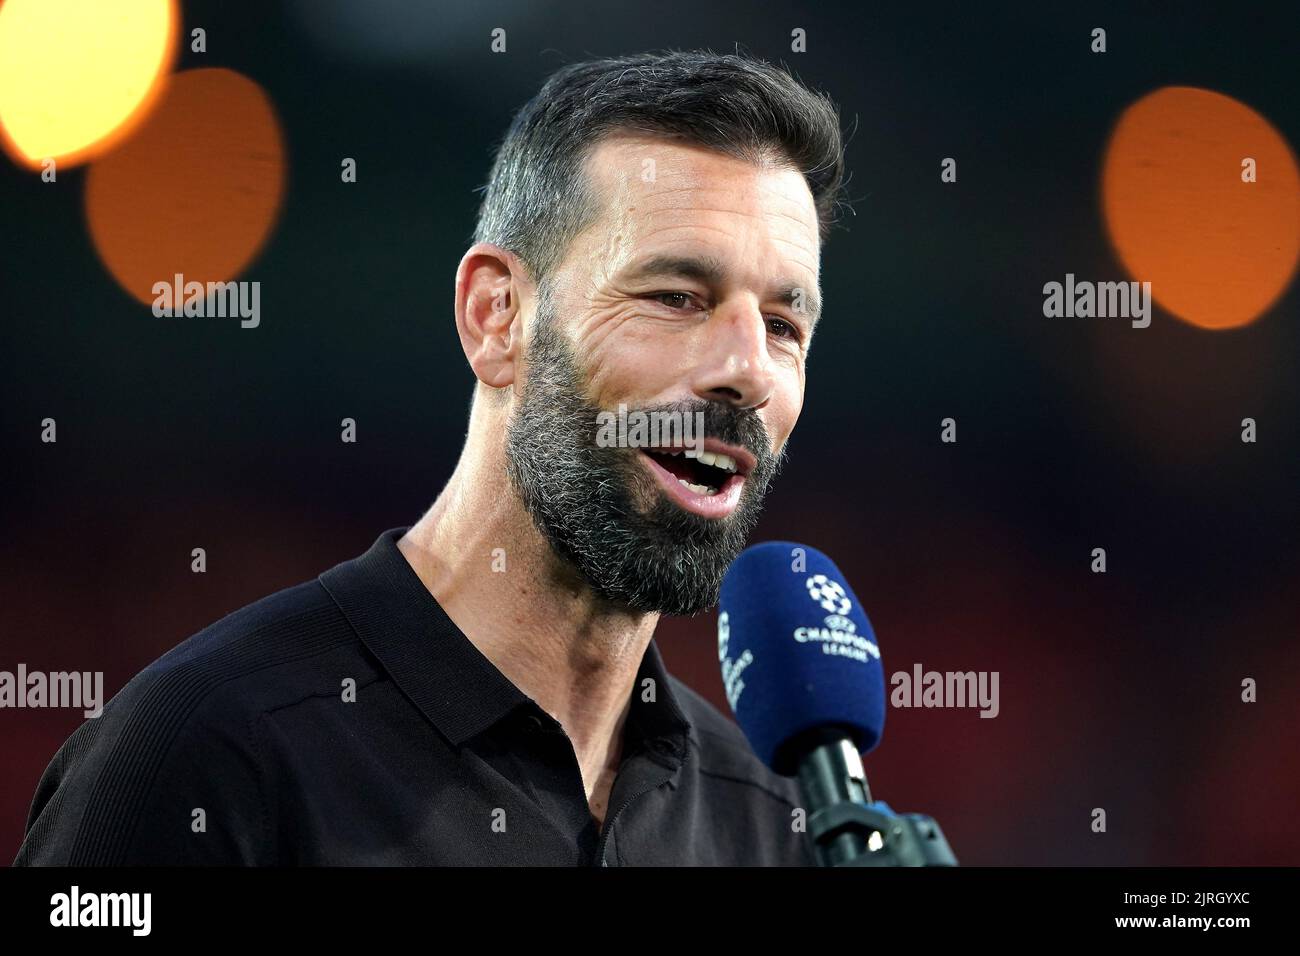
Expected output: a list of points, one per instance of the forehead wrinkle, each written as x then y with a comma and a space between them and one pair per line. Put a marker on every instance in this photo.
799, 257
795, 214
705, 266
677, 217
660, 198
795, 246
797, 261
697, 180
706, 227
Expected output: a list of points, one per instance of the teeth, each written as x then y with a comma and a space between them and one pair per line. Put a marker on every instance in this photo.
699, 489
725, 462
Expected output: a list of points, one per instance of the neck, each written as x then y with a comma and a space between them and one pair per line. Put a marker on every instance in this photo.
531, 615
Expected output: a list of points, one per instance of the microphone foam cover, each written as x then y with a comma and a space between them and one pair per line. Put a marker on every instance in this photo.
798, 653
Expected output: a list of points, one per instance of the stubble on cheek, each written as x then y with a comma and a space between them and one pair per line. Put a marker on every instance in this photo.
643, 492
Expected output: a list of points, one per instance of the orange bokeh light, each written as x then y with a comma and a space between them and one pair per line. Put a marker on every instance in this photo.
195, 191
1217, 251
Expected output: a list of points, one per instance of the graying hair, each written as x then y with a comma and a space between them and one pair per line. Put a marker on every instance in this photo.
537, 198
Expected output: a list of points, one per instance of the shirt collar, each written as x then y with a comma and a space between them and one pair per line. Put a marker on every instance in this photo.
440, 670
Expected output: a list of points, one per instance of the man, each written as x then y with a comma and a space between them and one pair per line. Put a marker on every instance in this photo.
482, 688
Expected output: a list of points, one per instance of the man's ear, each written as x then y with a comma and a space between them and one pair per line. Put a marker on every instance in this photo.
489, 319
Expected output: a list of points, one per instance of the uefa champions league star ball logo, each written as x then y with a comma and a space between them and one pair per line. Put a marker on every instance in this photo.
829, 594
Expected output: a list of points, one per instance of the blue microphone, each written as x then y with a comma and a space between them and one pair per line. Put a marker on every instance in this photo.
797, 652
801, 670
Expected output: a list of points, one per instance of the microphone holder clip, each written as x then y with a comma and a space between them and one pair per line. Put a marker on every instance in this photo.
842, 835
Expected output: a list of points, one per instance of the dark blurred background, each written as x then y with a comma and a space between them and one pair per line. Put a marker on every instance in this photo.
1118, 690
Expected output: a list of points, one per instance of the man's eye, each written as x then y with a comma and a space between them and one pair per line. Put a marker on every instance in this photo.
783, 328
674, 300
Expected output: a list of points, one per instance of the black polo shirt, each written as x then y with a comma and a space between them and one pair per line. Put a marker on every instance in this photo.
348, 721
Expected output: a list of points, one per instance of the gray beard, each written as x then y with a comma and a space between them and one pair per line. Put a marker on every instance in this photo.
599, 508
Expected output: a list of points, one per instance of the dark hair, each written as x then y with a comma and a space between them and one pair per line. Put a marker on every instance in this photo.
537, 199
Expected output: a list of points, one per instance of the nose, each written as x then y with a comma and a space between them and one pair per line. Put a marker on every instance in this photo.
736, 367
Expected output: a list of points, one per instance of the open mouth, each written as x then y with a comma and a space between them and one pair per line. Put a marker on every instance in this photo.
704, 474
707, 483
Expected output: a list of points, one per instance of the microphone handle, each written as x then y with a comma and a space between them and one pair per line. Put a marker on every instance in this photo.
846, 827
831, 773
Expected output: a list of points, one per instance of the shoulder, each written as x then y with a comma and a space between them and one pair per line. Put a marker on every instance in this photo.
260, 657
177, 747
279, 636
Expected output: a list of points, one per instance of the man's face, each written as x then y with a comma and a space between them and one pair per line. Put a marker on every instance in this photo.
695, 291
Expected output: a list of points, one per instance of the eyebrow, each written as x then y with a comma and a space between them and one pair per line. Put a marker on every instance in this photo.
710, 271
